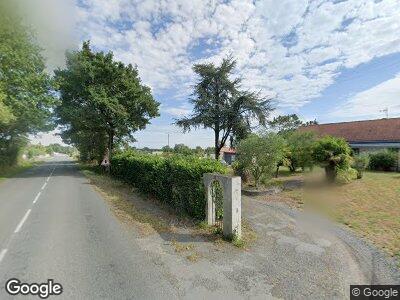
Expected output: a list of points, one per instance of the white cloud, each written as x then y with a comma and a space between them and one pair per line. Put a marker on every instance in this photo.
178, 111
282, 47
369, 103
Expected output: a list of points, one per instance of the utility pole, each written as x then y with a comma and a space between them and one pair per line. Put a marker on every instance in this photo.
168, 140
386, 111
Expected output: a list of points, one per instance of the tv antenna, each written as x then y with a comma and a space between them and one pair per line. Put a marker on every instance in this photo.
386, 111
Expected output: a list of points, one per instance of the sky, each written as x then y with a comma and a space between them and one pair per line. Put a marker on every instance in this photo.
326, 60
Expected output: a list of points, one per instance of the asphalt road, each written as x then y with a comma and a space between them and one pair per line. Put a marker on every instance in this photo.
53, 225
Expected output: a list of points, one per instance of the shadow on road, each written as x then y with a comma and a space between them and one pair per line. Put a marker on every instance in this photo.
44, 169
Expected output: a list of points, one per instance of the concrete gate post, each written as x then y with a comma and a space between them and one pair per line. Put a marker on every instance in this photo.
232, 218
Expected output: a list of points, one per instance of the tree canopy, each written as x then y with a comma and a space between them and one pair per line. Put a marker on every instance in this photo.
26, 91
219, 103
103, 102
285, 124
299, 150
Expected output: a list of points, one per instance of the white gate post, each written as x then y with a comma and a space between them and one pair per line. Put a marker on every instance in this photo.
232, 207
232, 203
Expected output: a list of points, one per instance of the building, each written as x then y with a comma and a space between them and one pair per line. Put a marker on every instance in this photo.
228, 154
362, 136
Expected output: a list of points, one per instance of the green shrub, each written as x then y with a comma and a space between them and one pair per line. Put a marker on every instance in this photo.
382, 161
360, 164
260, 155
346, 175
333, 154
175, 180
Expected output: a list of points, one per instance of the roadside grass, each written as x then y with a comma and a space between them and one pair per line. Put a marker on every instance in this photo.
11, 171
121, 198
369, 206
150, 215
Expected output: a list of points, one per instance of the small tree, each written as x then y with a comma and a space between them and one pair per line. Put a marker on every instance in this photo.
182, 149
300, 150
333, 154
260, 154
199, 151
166, 149
360, 163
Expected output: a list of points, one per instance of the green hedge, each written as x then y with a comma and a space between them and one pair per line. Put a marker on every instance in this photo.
175, 180
383, 160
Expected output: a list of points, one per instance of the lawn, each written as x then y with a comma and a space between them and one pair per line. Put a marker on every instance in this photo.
369, 206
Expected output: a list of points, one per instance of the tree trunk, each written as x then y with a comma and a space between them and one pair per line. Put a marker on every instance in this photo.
110, 148
330, 173
216, 142
277, 171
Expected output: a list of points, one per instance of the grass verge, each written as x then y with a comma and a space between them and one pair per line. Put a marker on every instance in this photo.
11, 171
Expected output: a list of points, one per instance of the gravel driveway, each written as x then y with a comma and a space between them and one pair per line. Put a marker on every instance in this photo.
296, 256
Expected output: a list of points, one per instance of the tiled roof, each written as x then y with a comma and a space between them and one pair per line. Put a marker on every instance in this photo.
228, 150
383, 130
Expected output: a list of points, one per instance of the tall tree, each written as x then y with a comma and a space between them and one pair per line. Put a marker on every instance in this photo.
26, 95
219, 103
103, 100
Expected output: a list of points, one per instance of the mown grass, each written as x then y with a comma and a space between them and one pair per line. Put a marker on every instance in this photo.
370, 206
11, 171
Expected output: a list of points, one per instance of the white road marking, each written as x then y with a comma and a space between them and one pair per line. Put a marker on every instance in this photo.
37, 197
2, 254
48, 178
22, 221
44, 185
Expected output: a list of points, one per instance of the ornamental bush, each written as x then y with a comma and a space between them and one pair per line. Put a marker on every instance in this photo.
333, 154
175, 180
260, 155
382, 161
360, 164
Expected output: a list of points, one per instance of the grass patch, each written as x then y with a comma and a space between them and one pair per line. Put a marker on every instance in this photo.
11, 171
370, 206
120, 196
249, 235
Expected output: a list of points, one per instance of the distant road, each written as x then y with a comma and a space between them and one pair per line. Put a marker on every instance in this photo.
53, 225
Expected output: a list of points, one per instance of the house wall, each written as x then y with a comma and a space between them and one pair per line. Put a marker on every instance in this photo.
229, 158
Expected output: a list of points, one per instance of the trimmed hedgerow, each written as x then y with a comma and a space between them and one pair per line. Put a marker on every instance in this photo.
382, 160
176, 180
